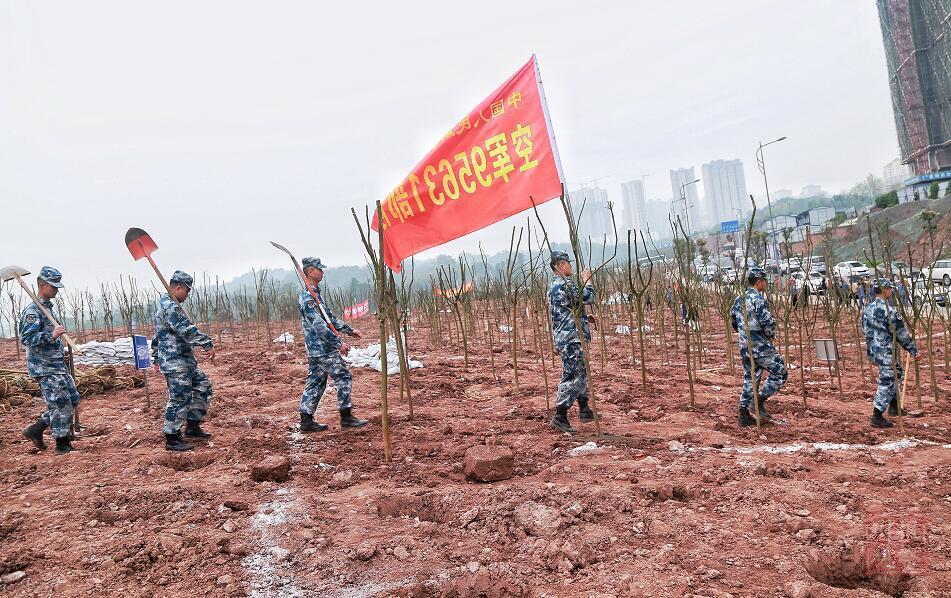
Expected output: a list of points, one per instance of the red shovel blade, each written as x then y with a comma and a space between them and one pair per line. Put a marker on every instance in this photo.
139, 242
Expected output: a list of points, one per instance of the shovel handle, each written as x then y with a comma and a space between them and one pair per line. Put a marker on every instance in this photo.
65, 336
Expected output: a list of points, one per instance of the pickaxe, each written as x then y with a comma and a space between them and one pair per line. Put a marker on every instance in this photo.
16, 272
303, 281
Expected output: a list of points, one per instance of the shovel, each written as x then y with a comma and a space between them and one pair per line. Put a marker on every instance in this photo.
141, 245
11, 272
16, 272
303, 281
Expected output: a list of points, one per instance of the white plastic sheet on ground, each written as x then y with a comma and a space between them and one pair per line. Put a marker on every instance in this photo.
286, 337
118, 352
621, 329
370, 358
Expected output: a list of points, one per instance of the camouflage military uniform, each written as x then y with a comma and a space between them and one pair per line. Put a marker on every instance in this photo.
189, 390
323, 354
762, 329
563, 295
45, 361
879, 321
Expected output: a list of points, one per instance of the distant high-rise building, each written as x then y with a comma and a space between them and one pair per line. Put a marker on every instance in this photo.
895, 173
724, 190
918, 56
590, 206
658, 217
812, 191
680, 180
781, 194
634, 198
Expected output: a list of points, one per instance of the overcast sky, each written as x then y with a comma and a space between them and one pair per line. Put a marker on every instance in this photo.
217, 126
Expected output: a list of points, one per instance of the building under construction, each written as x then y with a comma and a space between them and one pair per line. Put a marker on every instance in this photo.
917, 35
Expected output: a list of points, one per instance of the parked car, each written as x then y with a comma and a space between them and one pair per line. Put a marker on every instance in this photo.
728, 275
941, 272
898, 269
920, 293
816, 264
790, 265
847, 270
813, 279
771, 265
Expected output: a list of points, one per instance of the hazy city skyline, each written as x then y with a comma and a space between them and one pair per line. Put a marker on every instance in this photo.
218, 127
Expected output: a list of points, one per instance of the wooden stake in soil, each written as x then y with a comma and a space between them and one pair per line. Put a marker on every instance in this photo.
900, 399
379, 270
381, 278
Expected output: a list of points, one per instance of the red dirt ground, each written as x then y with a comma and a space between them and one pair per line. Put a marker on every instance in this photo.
668, 505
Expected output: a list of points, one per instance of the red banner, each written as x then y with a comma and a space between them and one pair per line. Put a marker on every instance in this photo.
489, 166
355, 311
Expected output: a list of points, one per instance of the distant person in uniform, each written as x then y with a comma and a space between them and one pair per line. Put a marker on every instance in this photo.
46, 363
750, 313
325, 351
883, 327
189, 389
563, 299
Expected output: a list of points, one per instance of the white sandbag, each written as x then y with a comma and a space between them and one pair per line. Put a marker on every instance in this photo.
285, 337
369, 357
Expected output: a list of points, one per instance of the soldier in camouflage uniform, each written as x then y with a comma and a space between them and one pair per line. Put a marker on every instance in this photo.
189, 390
325, 353
883, 325
46, 362
563, 297
762, 329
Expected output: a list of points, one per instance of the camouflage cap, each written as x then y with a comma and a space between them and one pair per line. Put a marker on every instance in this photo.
51, 276
182, 278
755, 274
883, 283
312, 262
559, 256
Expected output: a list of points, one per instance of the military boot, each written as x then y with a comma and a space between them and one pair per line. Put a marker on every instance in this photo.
63, 446
893, 409
35, 433
878, 421
764, 415
193, 429
746, 419
307, 423
347, 420
174, 442
560, 421
585, 413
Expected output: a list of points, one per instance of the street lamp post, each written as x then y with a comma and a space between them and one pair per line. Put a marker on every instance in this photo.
683, 198
761, 163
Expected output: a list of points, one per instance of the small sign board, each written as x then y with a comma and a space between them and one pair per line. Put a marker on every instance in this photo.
826, 349
803, 219
730, 226
143, 357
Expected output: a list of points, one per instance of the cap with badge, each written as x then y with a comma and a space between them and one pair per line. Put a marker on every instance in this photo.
559, 256
51, 276
755, 274
312, 262
884, 283
182, 278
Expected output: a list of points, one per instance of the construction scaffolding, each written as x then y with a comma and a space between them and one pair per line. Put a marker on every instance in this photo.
917, 36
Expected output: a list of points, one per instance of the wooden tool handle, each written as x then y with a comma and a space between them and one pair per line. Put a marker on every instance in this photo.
69, 340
